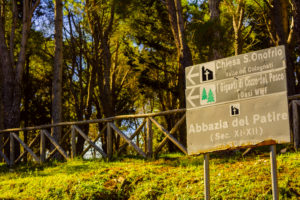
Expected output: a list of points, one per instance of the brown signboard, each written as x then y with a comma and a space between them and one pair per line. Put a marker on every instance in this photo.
227, 109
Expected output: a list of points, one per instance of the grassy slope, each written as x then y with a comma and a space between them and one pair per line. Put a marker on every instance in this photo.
178, 177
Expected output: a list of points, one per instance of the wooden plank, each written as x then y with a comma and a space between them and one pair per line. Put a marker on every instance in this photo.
95, 140
2, 154
90, 141
296, 124
136, 133
30, 145
56, 145
43, 147
73, 142
4, 157
149, 139
173, 130
294, 97
160, 127
60, 143
109, 119
1, 144
127, 139
109, 142
11, 150
26, 147
4, 144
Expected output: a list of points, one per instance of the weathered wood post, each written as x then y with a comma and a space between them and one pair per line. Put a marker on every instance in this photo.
1, 144
11, 150
73, 142
296, 124
138, 140
149, 139
109, 142
145, 138
43, 147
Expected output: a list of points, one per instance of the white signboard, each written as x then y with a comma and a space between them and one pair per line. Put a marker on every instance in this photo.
237, 101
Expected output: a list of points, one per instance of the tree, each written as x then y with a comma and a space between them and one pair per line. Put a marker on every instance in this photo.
279, 20
12, 68
216, 52
57, 71
238, 12
184, 55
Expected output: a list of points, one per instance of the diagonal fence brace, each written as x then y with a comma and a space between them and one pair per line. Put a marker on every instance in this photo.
89, 141
139, 150
56, 145
160, 127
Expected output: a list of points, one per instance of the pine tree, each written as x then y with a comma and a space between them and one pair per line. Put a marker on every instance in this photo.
211, 97
204, 94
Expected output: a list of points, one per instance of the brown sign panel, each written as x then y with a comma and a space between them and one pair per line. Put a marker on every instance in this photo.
237, 124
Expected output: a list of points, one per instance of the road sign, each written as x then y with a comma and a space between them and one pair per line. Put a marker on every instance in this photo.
244, 64
237, 101
241, 123
242, 87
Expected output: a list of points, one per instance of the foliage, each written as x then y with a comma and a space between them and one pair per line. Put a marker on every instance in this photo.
173, 176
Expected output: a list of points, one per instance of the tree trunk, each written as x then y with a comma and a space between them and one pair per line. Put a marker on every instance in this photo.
1, 115
184, 55
215, 48
280, 20
296, 4
57, 73
237, 20
12, 75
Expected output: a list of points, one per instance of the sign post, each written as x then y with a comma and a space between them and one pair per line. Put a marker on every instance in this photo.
239, 101
206, 177
274, 172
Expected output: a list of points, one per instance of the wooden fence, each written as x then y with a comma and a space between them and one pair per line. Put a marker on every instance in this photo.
149, 120
42, 134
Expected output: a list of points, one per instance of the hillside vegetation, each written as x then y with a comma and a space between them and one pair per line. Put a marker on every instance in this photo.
170, 177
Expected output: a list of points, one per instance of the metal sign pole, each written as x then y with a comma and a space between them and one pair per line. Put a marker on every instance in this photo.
206, 177
274, 172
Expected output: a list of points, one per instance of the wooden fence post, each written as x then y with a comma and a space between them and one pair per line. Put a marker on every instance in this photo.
43, 147
149, 139
145, 138
296, 124
73, 142
1, 144
11, 150
109, 142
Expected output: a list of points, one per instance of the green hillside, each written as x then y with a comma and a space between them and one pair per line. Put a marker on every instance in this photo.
170, 177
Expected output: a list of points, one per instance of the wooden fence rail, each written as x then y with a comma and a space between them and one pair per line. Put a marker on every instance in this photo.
46, 152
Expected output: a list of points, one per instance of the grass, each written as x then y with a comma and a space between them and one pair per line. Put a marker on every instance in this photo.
172, 176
